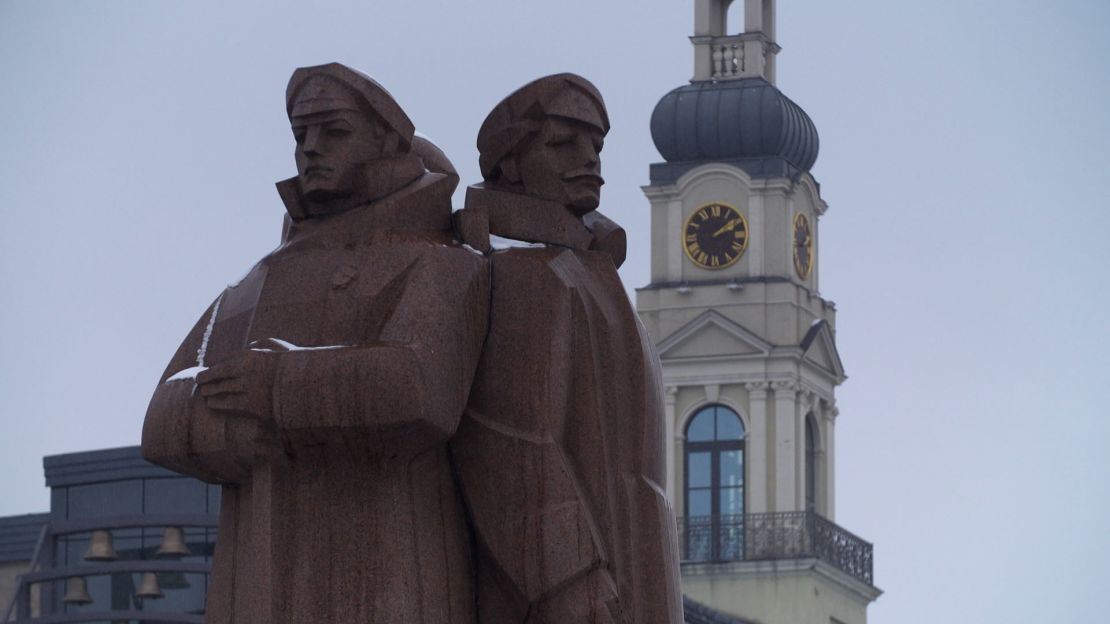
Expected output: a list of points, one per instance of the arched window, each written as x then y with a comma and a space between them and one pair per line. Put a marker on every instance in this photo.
734, 17
714, 493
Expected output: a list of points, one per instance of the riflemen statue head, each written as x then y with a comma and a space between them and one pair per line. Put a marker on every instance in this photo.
353, 139
545, 141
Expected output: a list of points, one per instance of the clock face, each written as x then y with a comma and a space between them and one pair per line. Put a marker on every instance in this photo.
715, 236
803, 245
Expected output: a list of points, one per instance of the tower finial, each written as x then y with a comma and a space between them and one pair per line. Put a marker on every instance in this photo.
719, 55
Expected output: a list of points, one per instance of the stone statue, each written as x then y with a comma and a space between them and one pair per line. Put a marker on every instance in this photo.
322, 388
559, 455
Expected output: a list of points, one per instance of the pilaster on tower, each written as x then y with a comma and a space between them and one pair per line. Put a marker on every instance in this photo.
720, 54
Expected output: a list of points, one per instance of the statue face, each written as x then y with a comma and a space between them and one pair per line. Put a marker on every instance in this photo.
335, 146
563, 164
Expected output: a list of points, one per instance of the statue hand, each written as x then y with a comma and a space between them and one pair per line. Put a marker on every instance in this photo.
243, 384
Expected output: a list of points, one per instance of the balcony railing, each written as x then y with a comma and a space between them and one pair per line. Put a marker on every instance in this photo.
727, 57
759, 537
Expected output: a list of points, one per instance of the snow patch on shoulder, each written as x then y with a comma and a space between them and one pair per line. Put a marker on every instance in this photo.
277, 345
203, 350
187, 374
464, 246
501, 243
235, 283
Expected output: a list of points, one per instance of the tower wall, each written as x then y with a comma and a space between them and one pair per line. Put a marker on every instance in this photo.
742, 329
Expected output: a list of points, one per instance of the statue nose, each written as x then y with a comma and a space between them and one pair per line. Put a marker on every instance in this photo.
590, 157
592, 162
312, 141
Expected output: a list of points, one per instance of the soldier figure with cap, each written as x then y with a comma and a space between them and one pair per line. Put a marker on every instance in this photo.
559, 455
322, 388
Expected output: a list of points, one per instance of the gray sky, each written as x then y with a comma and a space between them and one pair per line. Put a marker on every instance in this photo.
965, 149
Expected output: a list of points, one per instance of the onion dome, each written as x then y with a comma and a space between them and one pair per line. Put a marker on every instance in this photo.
747, 122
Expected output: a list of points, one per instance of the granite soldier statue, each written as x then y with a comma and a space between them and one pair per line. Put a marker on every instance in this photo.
407, 431
321, 389
560, 453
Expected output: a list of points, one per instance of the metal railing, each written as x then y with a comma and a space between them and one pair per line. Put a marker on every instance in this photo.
43, 572
767, 536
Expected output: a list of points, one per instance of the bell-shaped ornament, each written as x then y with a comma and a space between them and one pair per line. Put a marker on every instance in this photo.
100, 547
77, 592
149, 588
173, 544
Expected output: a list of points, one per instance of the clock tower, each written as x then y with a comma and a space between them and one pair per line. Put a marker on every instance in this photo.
746, 339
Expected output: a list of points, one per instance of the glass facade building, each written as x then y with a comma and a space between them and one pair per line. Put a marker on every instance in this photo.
124, 541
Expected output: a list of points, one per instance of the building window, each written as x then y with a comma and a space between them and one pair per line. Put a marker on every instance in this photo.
714, 493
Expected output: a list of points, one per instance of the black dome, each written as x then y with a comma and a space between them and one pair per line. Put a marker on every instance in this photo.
731, 120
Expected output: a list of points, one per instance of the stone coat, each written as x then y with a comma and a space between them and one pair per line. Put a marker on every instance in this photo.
560, 453
342, 508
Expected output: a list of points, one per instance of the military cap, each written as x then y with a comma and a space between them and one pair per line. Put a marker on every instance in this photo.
310, 90
521, 113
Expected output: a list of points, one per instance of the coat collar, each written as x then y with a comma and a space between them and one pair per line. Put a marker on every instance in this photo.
421, 208
527, 218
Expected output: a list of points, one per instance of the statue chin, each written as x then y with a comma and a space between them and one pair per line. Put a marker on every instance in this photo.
325, 195
379, 178
583, 207
322, 202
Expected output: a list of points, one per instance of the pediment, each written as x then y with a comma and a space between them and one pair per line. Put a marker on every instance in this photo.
819, 349
711, 334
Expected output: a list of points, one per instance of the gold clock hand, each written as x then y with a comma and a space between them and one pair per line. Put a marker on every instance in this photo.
728, 227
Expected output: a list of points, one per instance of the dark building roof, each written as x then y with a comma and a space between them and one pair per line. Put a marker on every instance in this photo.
18, 536
746, 122
696, 613
103, 465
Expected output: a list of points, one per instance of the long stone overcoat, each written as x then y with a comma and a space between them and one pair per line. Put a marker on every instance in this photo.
560, 452
342, 507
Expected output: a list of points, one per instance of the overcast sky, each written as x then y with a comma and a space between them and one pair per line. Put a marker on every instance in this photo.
965, 147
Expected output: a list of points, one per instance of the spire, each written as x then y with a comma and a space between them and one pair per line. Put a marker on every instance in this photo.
721, 56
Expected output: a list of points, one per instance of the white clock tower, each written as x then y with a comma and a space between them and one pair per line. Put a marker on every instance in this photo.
747, 342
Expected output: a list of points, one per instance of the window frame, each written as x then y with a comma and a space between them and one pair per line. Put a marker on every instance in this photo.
718, 524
